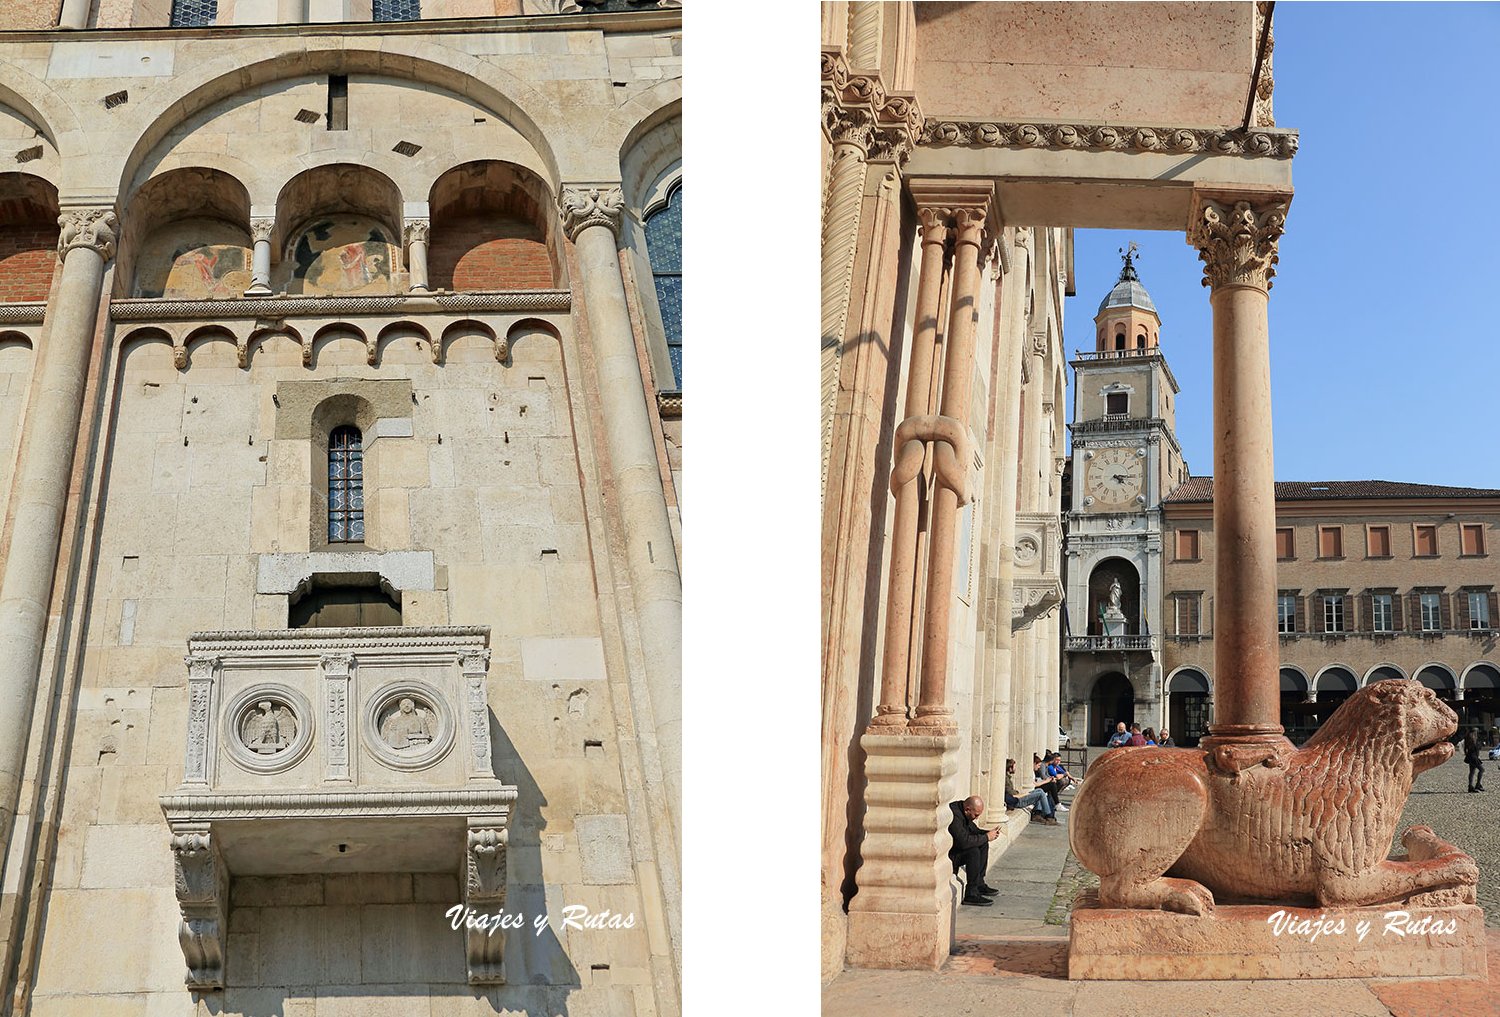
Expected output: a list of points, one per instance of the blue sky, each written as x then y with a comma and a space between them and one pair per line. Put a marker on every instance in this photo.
1385, 311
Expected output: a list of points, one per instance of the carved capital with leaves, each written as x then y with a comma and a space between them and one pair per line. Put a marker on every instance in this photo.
582, 207
95, 228
1237, 241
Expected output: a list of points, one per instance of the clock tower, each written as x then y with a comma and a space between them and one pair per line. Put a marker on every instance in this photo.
1125, 460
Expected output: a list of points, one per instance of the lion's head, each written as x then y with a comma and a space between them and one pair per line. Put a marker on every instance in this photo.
1399, 708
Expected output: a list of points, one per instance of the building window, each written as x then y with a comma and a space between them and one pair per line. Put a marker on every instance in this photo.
1378, 542
1473, 538
1286, 613
664, 249
194, 13
1432, 612
1116, 404
1479, 609
1187, 545
398, 10
1285, 546
1382, 618
1424, 539
1333, 612
346, 487
1187, 614
1330, 541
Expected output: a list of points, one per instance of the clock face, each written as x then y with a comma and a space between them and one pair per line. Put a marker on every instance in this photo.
1114, 477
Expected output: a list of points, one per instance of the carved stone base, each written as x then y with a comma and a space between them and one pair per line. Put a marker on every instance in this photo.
904, 912
1241, 942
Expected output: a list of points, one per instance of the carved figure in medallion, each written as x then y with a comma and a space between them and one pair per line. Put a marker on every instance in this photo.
1175, 828
269, 729
409, 726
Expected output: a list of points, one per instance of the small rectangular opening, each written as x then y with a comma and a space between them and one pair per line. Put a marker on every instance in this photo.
338, 102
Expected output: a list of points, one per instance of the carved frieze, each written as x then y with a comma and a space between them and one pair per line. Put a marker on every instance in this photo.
1272, 144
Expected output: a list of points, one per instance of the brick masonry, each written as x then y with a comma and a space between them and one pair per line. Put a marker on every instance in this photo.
485, 253
28, 256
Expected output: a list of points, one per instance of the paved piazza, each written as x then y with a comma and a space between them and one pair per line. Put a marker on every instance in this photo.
1440, 800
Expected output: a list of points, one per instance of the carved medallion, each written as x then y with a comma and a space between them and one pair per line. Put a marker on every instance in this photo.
267, 728
408, 725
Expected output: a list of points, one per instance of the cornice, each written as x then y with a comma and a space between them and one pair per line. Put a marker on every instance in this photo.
301, 307
1254, 144
207, 806
318, 640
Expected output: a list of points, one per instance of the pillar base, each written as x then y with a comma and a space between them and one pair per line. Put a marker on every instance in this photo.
1240, 941
259, 291
904, 913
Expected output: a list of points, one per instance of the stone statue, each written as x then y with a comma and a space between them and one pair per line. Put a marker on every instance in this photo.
408, 727
270, 730
1173, 828
1114, 596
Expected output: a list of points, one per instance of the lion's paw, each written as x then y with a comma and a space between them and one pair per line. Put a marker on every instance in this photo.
1188, 897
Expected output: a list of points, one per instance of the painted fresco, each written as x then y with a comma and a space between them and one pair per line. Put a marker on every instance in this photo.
341, 254
194, 259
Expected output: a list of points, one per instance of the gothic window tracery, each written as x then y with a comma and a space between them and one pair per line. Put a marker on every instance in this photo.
664, 248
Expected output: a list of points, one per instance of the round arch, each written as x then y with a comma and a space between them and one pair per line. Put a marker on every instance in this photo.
1438, 677
1335, 678
1111, 699
1380, 672
1294, 679
1189, 691
1486, 674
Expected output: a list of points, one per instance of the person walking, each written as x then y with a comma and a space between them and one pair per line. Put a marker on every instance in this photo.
1476, 764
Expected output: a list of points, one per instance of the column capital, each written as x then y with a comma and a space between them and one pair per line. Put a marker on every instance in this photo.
590, 205
416, 230
94, 228
261, 229
848, 126
966, 207
1236, 237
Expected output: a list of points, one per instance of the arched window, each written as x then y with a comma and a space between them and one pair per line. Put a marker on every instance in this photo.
346, 487
664, 248
194, 13
398, 10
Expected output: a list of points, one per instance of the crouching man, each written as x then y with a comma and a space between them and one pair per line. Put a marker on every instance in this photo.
1037, 797
971, 850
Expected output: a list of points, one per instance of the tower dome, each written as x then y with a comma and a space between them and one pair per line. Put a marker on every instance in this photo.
1127, 321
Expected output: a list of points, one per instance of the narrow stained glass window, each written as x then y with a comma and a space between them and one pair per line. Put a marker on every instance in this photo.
346, 487
398, 10
664, 248
194, 13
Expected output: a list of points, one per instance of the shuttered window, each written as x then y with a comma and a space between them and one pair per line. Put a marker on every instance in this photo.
1187, 545
1330, 541
1382, 618
1431, 605
1286, 613
1285, 545
1479, 609
1425, 542
1473, 538
1187, 614
1378, 542
1333, 612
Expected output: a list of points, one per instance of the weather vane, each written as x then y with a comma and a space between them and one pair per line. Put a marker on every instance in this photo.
1131, 253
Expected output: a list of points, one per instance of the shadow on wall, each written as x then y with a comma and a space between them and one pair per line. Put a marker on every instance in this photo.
386, 936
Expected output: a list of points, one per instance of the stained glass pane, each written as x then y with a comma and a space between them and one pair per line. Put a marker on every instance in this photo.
346, 496
194, 13
664, 248
398, 10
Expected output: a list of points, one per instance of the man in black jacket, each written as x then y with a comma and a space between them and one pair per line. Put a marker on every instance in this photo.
971, 850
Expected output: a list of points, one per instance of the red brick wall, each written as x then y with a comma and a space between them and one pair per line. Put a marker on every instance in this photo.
28, 255
486, 252
23, 14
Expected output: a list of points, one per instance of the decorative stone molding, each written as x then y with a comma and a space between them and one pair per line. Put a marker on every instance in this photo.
261, 230
94, 228
1037, 552
888, 122
670, 405
267, 308
582, 207
848, 127
23, 314
1237, 242
265, 787
1255, 144
417, 231
203, 895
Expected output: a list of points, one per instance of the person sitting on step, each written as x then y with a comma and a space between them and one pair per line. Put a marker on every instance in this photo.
971, 850
1041, 812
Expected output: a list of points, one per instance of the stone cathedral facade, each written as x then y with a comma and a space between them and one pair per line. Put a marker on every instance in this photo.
340, 350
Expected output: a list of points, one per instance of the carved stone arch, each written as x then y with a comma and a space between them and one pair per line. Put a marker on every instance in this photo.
396, 331
1382, 671
35, 100
128, 342
525, 339
185, 235
1297, 678
1335, 677
421, 60
472, 327
327, 334
1481, 670
203, 334
348, 408
491, 207
1439, 672
261, 337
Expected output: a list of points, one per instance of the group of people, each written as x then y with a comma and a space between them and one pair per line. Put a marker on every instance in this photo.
1133, 735
971, 845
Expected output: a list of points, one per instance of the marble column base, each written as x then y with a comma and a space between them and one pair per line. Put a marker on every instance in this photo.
1241, 942
904, 913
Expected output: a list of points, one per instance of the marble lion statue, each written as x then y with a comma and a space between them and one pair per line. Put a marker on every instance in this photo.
1171, 828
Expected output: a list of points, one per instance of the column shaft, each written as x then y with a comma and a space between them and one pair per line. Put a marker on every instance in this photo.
41, 488
75, 14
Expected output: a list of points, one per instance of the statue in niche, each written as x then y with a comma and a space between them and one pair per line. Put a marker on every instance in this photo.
409, 726
1114, 596
269, 729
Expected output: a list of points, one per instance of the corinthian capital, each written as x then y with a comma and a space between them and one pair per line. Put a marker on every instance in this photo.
582, 207
261, 229
1237, 242
417, 230
94, 228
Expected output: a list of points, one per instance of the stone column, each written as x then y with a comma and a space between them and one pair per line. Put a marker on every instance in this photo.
850, 131
260, 263
591, 219
1236, 240
75, 14
86, 243
416, 255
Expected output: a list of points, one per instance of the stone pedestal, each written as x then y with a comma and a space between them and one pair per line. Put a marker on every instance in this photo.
1243, 942
904, 912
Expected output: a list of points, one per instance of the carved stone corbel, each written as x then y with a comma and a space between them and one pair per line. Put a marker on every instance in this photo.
203, 895
484, 891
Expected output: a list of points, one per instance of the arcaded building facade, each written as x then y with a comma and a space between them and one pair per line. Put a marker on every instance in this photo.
962, 145
341, 345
